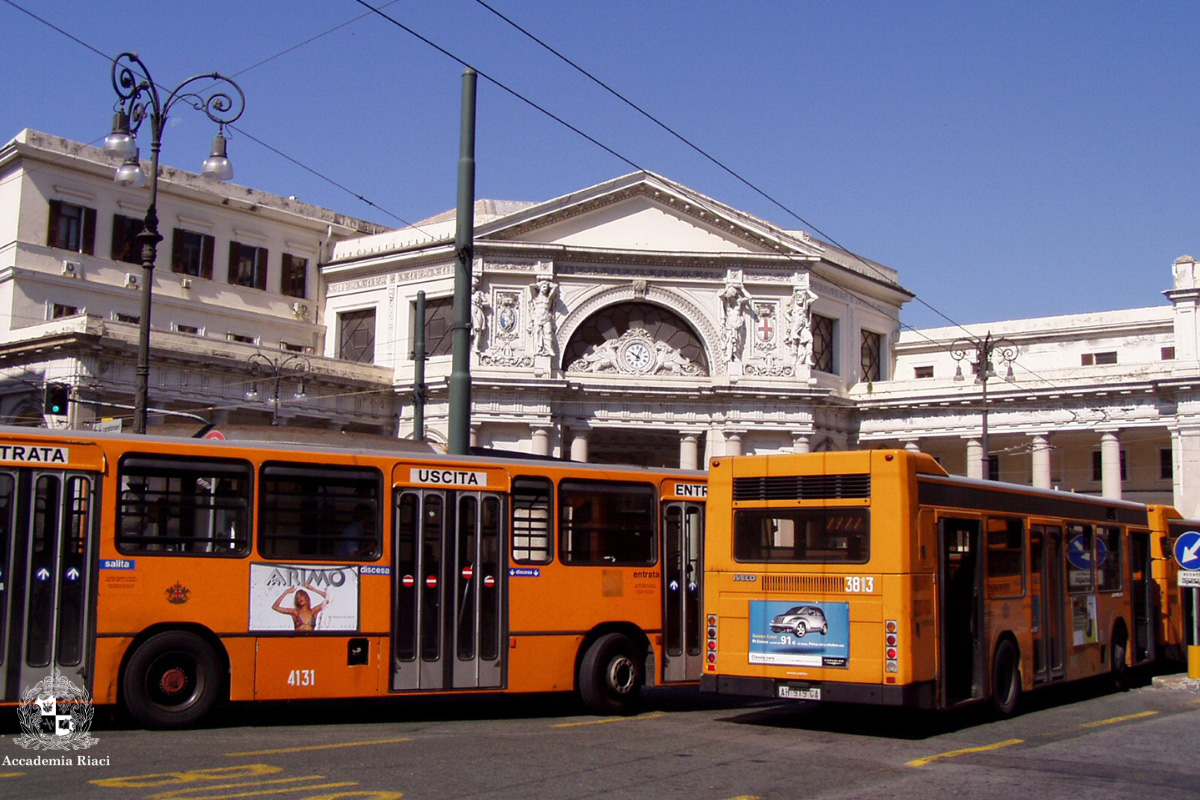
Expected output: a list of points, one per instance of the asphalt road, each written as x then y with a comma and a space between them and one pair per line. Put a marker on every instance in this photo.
1076, 742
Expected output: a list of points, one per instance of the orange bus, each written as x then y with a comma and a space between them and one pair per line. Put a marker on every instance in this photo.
875, 577
171, 574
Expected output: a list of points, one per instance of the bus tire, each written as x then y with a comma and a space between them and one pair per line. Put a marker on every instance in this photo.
172, 680
1006, 679
611, 675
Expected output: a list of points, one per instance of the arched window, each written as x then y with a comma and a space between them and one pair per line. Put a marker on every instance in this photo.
661, 325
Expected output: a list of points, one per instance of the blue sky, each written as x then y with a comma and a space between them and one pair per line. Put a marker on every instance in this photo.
1009, 159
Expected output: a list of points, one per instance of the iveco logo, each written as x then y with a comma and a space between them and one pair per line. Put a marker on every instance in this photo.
745, 578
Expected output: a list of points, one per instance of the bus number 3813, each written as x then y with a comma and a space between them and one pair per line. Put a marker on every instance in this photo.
857, 584
302, 677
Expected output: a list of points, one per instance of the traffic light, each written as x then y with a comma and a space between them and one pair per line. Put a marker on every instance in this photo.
57, 399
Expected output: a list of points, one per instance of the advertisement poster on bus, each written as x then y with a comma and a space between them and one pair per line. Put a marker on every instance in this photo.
800, 634
303, 598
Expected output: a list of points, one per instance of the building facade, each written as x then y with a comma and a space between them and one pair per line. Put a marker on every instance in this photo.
636, 321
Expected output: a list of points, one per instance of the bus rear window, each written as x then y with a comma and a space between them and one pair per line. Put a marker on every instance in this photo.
802, 535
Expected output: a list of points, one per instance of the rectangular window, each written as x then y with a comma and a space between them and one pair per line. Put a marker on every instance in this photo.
72, 227
1098, 466
1108, 559
1080, 578
295, 276
1167, 353
59, 310
532, 536
241, 339
872, 353
248, 265
823, 354
923, 372
802, 536
1005, 557
439, 317
1166, 465
132, 319
319, 512
192, 329
192, 253
1094, 359
125, 245
607, 523
356, 336
183, 506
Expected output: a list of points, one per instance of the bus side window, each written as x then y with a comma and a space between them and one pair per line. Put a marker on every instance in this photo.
315, 511
603, 522
532, 538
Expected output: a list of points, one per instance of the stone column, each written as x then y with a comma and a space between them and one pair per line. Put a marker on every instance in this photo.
733, 443
912, 445
541, 442
689, 451
1040, 452
579, 448
975, 459
801, 443
1110, 465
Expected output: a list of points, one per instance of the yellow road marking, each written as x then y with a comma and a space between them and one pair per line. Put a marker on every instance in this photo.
1115, 720
606, 720
11, 774
306, 748
920, 762
254, 792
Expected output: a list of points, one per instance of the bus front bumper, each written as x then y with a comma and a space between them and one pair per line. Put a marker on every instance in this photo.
913, 695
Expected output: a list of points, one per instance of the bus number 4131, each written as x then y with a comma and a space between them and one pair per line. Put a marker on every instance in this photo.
302, 677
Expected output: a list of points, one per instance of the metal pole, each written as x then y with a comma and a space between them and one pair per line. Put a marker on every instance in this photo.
149, 238
419, 371
459, 429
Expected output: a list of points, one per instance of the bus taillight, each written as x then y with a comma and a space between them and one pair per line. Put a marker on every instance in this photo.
891, 640
711, 642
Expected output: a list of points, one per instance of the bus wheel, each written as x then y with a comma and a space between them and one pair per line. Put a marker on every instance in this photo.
610, 675
171, 681
1006, 679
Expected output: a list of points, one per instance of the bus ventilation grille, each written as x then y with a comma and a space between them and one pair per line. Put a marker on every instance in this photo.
809, 584
803, 487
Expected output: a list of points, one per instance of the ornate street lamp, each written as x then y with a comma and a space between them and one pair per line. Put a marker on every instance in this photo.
139, 101
277, 369
983, 353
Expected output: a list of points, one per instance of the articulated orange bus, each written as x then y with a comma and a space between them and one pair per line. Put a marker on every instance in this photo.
875, 577
171, 574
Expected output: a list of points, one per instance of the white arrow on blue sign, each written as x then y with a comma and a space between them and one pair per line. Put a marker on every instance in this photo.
1187, 550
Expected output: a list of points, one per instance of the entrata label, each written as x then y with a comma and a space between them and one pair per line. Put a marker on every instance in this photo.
447, 477
34, 455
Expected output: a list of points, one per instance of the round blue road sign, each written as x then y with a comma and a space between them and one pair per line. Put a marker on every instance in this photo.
1187, 550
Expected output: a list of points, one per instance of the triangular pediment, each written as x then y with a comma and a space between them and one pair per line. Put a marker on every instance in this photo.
646, 213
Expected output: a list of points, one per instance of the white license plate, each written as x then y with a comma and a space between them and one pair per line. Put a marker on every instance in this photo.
796, 693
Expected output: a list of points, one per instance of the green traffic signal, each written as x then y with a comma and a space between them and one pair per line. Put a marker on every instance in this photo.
57, 398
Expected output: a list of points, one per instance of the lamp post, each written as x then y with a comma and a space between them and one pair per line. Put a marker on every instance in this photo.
139, 101
983, 351
277, 369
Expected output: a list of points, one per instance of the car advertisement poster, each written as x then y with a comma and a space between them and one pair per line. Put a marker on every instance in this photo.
308, 598
800, 634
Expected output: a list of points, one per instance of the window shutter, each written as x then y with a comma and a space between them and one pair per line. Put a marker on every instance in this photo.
235, 251
260, 269
89, 231
52, 230
206, 263
177, 251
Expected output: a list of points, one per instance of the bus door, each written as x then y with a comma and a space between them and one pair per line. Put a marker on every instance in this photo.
1049, 603
449, 589
1144, 595
960, 605
47, 571
683, 570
